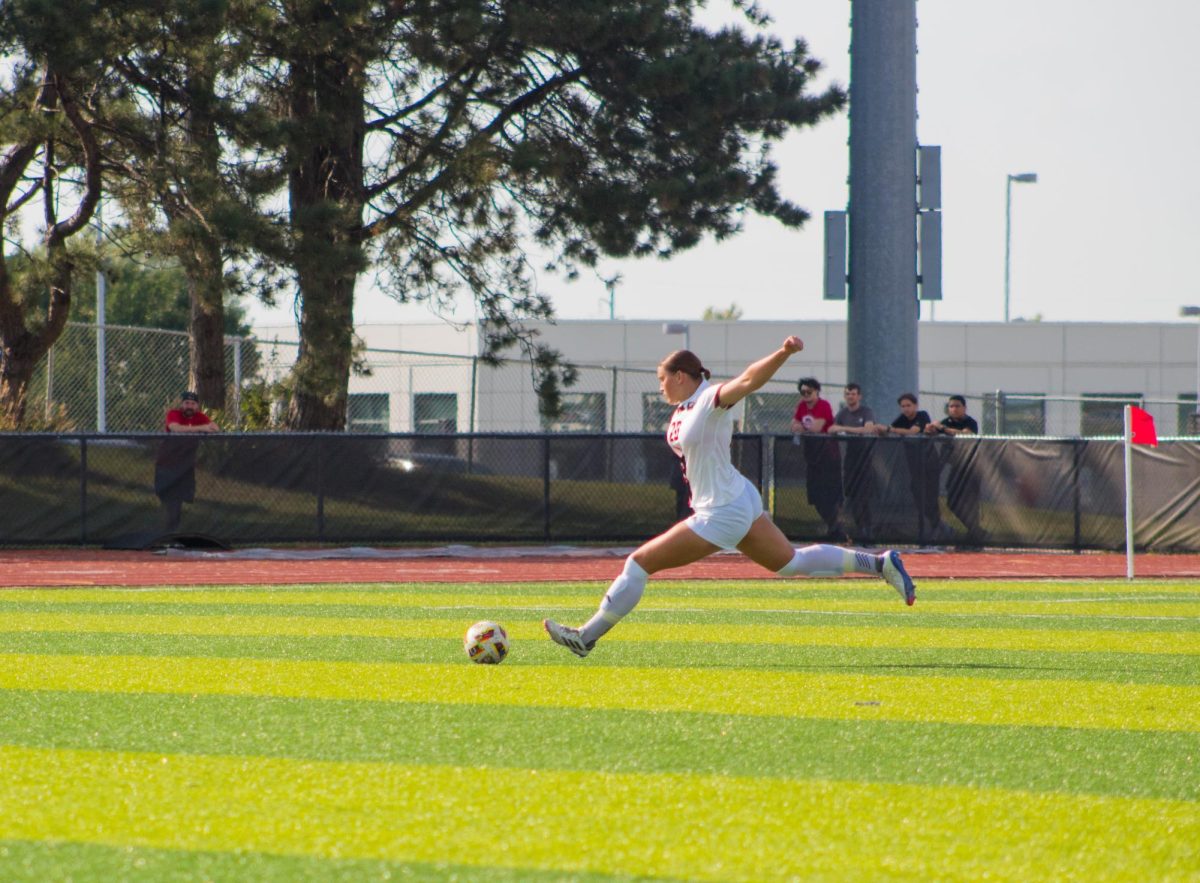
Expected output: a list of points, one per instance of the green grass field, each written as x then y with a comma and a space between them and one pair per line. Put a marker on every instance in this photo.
726, 731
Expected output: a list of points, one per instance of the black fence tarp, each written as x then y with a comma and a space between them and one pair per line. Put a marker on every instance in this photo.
264, 488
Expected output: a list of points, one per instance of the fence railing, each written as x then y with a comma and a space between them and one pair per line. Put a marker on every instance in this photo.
405, 391
605, 488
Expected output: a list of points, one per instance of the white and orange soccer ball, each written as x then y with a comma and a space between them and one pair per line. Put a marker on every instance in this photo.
486, 642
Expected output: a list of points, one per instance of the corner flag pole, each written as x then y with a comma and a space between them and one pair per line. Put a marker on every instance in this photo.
1128, 492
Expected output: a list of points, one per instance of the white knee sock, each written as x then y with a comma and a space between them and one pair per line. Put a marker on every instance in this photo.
622, 596
825, 560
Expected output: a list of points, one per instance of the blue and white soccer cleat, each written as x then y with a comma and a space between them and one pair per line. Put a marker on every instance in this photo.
897, 577
568, 637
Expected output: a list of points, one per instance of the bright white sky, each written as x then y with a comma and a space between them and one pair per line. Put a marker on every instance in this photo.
1098, 97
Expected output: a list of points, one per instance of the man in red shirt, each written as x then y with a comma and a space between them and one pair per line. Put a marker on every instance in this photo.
822, 461
175, 466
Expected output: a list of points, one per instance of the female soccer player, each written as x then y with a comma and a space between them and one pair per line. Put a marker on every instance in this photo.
728, 512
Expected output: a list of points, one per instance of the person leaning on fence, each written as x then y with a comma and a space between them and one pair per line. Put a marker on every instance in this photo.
924, 466
728, 507
858, 421
175, 465
962, 483
822, 461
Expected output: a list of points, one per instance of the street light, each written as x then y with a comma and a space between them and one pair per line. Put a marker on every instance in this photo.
1188, 312
679, 328
1022, 178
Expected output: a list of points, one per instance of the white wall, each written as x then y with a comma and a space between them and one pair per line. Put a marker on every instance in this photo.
1157, 360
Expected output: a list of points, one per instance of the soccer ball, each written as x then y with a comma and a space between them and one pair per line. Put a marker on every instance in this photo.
486, 642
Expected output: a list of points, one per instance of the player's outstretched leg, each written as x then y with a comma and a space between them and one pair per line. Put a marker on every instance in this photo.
826, 560
622, 596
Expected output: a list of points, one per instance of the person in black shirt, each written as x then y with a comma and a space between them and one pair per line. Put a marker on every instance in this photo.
857, 422
924, 467
962, 484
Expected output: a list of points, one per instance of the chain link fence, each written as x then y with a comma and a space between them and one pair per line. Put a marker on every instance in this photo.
394, 391
249, 488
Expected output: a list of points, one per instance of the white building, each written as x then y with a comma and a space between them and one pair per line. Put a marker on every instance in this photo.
428, 377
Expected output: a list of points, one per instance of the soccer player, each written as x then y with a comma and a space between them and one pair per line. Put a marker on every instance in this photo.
728, 512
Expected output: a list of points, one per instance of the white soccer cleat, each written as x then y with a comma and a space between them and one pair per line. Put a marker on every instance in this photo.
897, 577
567, 636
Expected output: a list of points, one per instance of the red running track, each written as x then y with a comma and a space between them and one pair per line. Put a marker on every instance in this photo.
83, 567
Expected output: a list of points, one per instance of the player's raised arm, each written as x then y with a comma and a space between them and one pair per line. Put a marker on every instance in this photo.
755, 375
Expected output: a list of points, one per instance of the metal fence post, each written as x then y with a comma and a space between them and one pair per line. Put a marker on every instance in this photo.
474, 389
922, 483
1077, 447
546, 487
83, 472
612, 420
49, 382
237, 382
320, 492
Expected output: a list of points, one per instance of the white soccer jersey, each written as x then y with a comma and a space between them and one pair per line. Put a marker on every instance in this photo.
700, 433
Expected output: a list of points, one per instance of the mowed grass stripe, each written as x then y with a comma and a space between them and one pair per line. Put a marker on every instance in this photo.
1121, 668
1160, 642
928, 603
25, 862
1032, 702
1117, 762
709, 827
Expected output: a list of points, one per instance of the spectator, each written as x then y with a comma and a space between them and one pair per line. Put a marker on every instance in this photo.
962, 483
175, 466
856, 419
924, 467
822, 460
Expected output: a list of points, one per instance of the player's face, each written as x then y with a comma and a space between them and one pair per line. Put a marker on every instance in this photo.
908, 408
671, 385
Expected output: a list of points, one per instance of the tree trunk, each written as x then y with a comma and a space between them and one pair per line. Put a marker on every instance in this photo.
201, 244
23, 348
326, 205
206, 329
17, 364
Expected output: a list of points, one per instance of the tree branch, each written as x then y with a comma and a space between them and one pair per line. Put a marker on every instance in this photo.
529, 99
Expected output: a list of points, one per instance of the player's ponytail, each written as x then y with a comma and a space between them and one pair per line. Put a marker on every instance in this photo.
687, 362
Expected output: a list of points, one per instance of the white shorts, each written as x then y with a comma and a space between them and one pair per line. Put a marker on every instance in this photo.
727, 525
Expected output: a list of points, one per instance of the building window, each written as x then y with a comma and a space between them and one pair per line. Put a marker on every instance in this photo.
1015, 413
367, 412
435, 412
1103, 413
1189, 418
770, 412
581, 412
656, 413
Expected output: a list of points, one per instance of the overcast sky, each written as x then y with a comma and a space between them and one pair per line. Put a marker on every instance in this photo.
1100, 98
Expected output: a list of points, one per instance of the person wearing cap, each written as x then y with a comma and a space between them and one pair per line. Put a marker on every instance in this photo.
175, 465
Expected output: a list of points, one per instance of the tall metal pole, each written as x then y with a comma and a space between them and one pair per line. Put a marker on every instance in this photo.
101, 341
883, 312
1007, 238
1023, 178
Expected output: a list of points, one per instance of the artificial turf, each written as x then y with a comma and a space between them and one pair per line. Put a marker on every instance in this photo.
725, 731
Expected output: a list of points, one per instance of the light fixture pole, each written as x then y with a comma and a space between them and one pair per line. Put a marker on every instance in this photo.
1188, 312
1022, 178
679, 328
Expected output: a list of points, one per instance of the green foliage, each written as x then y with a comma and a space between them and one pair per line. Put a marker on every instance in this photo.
730, 314
430, 144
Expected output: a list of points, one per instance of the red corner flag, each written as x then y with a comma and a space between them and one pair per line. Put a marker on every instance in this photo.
1143, 427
